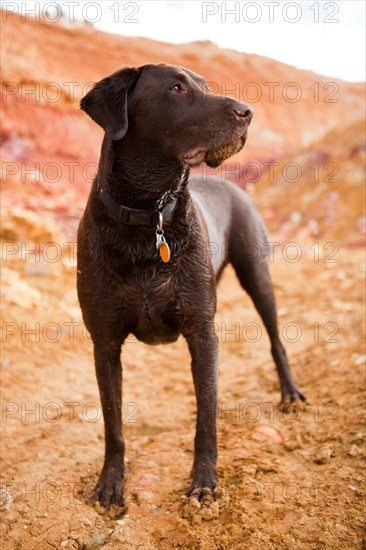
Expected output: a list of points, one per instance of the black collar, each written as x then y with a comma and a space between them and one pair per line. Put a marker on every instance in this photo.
132, 216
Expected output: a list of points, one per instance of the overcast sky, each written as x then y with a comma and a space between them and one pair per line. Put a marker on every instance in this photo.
322, 36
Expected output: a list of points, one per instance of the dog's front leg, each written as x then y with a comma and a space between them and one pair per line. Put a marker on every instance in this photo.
109, 489
204, 352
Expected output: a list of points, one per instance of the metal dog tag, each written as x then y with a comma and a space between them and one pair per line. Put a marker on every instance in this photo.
162, 246
161, 243
164, 251
159, 239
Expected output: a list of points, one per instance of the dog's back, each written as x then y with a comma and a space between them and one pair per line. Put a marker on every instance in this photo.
231, 224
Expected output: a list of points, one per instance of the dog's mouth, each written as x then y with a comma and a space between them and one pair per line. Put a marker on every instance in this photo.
194, 157
214, 157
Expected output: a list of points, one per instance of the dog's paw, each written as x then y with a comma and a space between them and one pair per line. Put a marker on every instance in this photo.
200, 503
108, 492
291, 398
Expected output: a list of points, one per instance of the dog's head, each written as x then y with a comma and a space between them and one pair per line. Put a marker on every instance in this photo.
168, 111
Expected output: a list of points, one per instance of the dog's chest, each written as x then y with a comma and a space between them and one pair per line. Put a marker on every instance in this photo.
155, 307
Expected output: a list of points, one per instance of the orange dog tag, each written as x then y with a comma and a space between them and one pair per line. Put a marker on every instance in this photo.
164, 251
161, 244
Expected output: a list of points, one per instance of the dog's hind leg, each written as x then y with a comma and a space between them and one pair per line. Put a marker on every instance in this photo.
248, 255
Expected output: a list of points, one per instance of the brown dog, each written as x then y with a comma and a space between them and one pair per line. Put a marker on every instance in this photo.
142, 261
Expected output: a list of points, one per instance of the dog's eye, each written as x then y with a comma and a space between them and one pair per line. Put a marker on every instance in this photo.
178, 89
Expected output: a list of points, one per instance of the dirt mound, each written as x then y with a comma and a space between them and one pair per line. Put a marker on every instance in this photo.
50, 149
320, 192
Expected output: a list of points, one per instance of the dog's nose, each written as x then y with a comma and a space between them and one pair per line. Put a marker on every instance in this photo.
245, 113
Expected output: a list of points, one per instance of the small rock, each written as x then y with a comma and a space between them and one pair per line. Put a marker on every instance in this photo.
359, 359
324, 456
5, 499
37, 528
190, 508
270, 432
22, 507
69, 544
11, 516
354, 451
210, 512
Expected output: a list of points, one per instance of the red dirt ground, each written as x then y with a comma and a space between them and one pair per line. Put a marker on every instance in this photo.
305, 492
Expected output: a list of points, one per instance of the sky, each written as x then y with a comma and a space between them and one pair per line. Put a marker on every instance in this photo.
325, 37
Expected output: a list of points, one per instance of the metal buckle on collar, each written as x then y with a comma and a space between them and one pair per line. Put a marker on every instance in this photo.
137, 217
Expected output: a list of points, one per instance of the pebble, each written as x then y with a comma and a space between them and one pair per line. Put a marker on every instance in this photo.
324, 456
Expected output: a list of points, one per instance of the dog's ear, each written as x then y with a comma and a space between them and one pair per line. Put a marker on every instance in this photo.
106, 103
